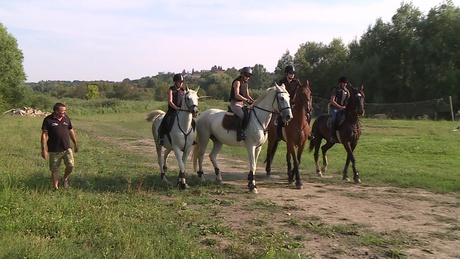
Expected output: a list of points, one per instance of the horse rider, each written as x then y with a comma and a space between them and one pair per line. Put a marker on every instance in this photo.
339, 98
238, 95
292, 84
175, 94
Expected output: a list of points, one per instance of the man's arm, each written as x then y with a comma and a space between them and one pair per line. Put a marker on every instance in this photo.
73, 136
43, 144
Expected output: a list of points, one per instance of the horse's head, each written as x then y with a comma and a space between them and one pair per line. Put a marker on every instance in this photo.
191, 101
356, 101
282, 99
303, 97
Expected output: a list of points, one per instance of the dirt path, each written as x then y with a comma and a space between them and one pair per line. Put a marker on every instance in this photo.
428, 223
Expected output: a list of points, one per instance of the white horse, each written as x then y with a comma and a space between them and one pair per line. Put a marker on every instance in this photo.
209, 126
182, 134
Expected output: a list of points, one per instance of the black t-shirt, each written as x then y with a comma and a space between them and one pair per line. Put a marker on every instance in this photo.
58, 133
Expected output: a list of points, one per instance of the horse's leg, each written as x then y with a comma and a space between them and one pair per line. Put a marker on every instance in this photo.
300, 149
290, 152
161, 163
350, 147
253, 154
317, 144
324, 150
165, 159
181, 182
271, 150
200, 148
217, 146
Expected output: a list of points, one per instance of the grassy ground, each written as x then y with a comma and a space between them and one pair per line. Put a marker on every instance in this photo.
118, 208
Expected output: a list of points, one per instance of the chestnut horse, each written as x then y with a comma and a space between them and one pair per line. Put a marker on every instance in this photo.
295, 134
349, 133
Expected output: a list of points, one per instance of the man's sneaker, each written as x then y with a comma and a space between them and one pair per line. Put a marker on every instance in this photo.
65, 182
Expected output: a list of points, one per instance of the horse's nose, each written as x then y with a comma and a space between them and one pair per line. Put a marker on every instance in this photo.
287, 118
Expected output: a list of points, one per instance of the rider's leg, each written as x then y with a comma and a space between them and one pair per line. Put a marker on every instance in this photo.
239, 132
333, 127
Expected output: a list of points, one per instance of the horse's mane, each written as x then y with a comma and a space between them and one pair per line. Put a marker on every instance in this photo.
262, 96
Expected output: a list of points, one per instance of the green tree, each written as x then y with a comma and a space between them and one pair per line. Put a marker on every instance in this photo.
285, 60
92, 92
260, 78
12, 76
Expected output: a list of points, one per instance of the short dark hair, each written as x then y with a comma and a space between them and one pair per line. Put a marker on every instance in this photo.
57, 106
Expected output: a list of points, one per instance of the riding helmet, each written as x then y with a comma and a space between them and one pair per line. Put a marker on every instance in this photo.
246, 70
178, 77
343, 79
289, 69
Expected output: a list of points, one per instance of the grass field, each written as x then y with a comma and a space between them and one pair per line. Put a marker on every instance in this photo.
118, 207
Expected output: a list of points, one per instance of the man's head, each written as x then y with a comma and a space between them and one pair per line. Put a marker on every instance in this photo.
59, 110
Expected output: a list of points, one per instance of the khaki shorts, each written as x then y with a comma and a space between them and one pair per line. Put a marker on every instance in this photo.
57, 157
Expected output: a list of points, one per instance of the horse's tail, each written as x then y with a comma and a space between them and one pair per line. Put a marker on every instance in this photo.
153, 115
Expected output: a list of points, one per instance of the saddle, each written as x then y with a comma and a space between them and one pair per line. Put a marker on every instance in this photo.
341, 119
230, 120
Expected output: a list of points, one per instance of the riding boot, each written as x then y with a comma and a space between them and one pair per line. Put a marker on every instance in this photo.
239, 132
333, 133
161, 141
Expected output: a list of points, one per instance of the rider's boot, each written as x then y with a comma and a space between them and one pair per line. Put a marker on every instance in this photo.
161, 141
333, 133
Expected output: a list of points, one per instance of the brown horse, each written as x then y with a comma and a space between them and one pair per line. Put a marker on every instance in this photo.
349, 133
295, 134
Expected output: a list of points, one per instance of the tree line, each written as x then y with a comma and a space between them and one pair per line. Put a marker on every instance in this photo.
414, 57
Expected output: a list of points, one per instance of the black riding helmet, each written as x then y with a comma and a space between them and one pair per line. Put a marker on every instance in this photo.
343, 79
178, 77
289, 69
246, 70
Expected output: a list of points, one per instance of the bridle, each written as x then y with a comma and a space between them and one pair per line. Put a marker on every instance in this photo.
279, 111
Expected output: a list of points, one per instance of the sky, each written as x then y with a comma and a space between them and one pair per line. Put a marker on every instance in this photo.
117, 39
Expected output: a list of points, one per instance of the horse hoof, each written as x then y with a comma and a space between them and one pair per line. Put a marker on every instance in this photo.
299, 186
183, 186
319, 174
254, 191
346, 179
357, 180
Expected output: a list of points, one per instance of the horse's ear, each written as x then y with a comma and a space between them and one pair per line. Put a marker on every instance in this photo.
276, 84
198, 88
186, 88
361, 88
